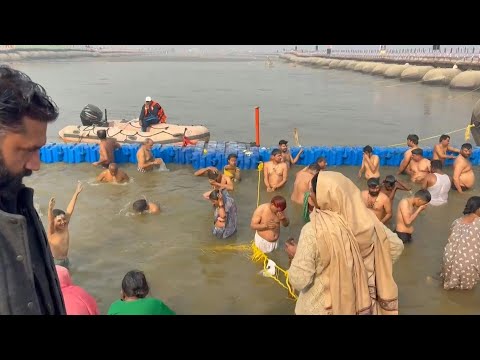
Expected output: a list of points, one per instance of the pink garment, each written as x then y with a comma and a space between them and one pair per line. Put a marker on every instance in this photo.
77, 300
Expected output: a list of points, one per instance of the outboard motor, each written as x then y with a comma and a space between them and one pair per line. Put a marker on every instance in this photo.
92, 115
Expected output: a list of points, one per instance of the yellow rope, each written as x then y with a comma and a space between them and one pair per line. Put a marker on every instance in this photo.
467, 135
467, 132
258, 255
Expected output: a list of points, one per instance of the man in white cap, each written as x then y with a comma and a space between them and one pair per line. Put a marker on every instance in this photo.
151, 113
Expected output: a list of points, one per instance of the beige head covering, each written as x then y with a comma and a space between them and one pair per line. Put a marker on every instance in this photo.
353, 242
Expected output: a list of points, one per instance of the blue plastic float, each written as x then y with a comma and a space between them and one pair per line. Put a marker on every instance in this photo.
215, 153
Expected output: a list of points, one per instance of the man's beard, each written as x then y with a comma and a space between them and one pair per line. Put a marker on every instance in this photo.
374, 194
10, 183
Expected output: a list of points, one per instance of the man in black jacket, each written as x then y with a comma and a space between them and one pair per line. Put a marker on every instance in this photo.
29, 284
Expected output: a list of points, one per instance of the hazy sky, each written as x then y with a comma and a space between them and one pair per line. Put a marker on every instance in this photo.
274, 48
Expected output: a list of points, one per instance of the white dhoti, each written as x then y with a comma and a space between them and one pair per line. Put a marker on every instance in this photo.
264, 245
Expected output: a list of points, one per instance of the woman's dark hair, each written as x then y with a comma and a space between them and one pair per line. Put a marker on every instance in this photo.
134, 284
314, 183
473, 204
20, 97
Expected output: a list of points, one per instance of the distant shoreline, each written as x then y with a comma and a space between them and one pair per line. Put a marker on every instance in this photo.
39, 54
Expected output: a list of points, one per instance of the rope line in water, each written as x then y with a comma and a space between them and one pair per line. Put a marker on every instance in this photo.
467, 135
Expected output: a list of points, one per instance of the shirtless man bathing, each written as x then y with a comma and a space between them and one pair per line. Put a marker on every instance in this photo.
58, 234
107, 149
412, 142
266, 222
145, 159
370, 164
463, 176
113, 175
408, 210
275, 172
287, 155
302, 183
377, 201
440, 150
420, 167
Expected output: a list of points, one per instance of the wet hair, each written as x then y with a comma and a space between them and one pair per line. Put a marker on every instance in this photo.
321, 159
102, 134
147, 141
473, 204
140, 205
444, 137
390, 180
417, 151
276, 152
373, 182
436, 164
314, 183
134, 284
212, 175
232, 156
57, 212
314, 167
214, 195
467, 146
368, 149
424, 195
413, 138
20, 97
283, 142
279, 202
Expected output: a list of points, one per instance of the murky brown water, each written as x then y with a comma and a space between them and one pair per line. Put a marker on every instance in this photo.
330, 107
175, 248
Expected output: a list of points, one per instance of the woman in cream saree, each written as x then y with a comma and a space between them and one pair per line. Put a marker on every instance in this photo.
342, 263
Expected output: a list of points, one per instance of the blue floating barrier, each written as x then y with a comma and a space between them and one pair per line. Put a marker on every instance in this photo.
218, 152
339, 152
80, 152
203, 161
47, 154
133, 153
265, 154
188, 152
68, 154
57, 153
380, 152
241, 161
196, 159
122, 154
331, 157
94, 153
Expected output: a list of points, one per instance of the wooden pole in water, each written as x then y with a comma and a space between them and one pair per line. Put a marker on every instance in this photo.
257, 125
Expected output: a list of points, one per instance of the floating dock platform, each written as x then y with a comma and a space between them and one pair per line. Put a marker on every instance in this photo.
215, 153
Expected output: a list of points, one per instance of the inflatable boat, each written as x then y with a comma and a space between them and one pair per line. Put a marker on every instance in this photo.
129, 131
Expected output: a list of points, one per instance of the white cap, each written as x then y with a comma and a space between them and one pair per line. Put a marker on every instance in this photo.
148, 98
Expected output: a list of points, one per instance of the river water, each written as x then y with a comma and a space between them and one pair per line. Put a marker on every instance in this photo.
185, 264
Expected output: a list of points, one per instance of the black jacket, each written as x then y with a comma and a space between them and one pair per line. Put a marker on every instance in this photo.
28, 279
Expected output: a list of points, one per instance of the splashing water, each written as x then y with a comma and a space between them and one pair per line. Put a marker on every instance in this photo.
163, 167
